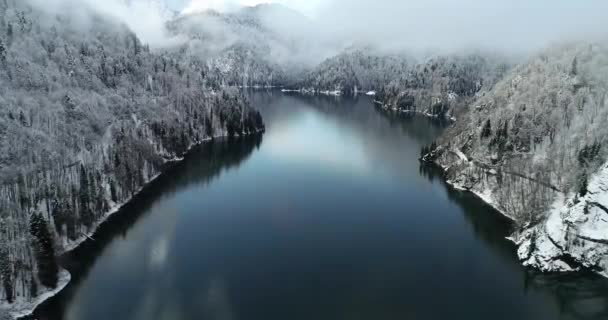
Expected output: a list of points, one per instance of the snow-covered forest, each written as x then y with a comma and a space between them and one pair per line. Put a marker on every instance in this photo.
533, 146
442, 86
233, 49
88, 115
355, 70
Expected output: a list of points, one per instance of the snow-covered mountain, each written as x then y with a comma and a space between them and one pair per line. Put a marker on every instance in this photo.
535, 148
355, 70
442, 86
253, 46
88, 115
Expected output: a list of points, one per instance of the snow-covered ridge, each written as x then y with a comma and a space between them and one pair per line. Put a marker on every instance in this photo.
574, 235
576, 229
22, 307
86, 127
534, 148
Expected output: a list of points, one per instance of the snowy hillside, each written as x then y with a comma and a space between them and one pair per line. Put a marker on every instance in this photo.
88, 115
249, 47
533, 148
441, 86
355, 70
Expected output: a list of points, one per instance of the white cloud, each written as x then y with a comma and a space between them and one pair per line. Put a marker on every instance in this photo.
453, 24
308, 7
146, 18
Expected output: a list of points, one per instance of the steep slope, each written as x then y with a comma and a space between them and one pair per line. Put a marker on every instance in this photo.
355, 70
532, 147
249, 47
443, 85
88, 115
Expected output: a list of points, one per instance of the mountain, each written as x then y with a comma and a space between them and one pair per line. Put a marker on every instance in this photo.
88, 115
534, 147
254, 46
355, 69
443, 85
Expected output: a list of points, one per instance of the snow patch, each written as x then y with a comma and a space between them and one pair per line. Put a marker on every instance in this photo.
576, 228
21, 308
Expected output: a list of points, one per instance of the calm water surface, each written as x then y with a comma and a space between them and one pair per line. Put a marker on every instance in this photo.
328, 216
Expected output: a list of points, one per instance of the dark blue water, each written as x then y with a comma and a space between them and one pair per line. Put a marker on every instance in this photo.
327, 216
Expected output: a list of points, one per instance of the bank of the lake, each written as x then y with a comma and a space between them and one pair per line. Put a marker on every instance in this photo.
329, 216
22, 309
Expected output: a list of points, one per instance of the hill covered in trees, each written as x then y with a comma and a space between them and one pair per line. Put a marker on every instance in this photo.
535, 148
354, 70
442, 86
88, 115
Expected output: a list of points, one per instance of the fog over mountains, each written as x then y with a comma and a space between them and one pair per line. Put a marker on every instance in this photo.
96, 96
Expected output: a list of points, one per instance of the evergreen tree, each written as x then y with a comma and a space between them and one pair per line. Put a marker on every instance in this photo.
574, 68
44, 251
2, 52
22, 118
113, 192
33, 287
9, 32
6, 274
85, 198
487, 129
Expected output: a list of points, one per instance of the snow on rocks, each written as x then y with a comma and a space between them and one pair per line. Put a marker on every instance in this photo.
21, 307
576, 230
573, 235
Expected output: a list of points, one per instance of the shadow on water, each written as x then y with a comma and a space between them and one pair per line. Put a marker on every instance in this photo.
578, 295
203, 165
287, 252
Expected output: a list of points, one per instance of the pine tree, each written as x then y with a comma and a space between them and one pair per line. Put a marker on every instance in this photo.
574, 68
9, 32
85, 198
33, 287
58, 216
6, 273
113, 192
487, 129
2, 52
44, 251
22, 118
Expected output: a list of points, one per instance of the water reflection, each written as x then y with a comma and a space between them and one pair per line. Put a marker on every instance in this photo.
204, 165
331, 217
581, 296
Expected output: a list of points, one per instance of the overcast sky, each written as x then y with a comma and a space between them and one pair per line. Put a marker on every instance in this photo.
501, 24
406, 24
307, 7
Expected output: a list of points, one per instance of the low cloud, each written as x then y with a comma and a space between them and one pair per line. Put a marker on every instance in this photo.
456, 24
411, 25
146, 18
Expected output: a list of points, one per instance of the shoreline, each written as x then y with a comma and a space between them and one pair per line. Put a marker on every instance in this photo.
387, 108
487, 200
26, 309
484, 198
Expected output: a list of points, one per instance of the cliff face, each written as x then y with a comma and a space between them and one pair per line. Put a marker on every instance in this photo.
533, 148
88, 115
575, 230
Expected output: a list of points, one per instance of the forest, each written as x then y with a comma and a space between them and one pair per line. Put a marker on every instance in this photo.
534, 146
88, 116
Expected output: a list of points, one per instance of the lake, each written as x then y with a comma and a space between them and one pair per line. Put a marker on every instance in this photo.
329, 215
